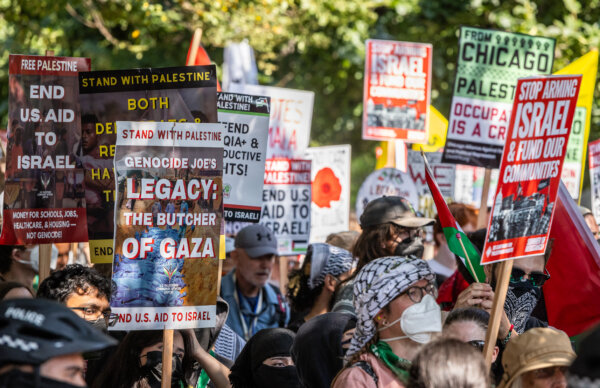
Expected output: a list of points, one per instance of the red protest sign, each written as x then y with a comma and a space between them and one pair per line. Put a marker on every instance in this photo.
396, 90
43, 194
531, 166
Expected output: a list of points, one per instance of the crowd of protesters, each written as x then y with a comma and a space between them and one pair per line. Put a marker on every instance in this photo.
361, 310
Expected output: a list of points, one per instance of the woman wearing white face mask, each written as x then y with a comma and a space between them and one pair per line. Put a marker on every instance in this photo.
394, 298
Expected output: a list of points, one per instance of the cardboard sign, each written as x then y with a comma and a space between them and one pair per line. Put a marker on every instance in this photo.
489, 64
531, 166
43, 194
397, 90
174, 94
286, 203
246, 120
444, 174
290, 120
168, 215
386, 182
594, 159
330, 207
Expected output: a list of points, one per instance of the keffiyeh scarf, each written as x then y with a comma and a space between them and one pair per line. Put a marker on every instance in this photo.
325, 260
376, 285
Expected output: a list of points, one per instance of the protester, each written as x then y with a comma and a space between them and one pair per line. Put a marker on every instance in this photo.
266, 362
42, 345
254, 303
311, 288
63, 255
590, 220
18, 264
443, 264
390, 226
344, 240
14, 290
137, 362
524, 292
470, 325
451, 288
317, 350
585, 370
448, 363
538, 358
81, 289
394, 298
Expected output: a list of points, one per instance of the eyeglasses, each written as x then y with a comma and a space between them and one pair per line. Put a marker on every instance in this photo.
546, 373
92, 313
416, 293
537, 278
477, 344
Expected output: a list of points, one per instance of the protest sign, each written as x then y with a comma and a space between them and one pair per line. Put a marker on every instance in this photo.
330, 207
246, 120
290, 120
531, 165
43, 193
489, 64
167, 224
444, 175
176, 94
594, 160
386, 182
572, 174
286, 203
397, 90
436, 132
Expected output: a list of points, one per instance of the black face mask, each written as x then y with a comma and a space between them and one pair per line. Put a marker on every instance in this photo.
267, 376
410, 246
152, 370
521, 299
99, 324
18, 378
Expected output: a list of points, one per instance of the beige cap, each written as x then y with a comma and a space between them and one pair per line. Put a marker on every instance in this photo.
535, 349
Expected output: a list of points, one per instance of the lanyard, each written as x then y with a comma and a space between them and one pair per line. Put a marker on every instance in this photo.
248, 331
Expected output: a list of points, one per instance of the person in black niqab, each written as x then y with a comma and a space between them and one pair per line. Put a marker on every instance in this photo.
265, 361
318, 350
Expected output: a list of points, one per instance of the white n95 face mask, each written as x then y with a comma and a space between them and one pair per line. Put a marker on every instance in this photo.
419, 321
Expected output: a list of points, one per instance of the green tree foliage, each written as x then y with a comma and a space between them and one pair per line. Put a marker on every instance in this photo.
314, 45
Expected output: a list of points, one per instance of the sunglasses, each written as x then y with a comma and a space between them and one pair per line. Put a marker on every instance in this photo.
477, 344
537, 278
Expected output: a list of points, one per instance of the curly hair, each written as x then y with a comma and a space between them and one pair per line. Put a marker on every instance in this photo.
73, 279
299, 294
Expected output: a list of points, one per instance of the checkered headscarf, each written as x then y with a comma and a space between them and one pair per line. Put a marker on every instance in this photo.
376, 285
326, 259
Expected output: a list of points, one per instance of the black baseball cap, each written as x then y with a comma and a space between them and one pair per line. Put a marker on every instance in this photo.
396, 210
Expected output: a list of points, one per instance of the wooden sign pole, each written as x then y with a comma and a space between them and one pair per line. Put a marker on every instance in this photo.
195, 44
482, 217
167, 358
283, 274
391, 154
497, 310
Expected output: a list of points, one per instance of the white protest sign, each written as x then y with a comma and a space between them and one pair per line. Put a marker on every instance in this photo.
330, 208
386, 182
291, 118
246, 120
286, 203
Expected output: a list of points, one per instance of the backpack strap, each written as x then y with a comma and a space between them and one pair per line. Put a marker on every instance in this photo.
367, 368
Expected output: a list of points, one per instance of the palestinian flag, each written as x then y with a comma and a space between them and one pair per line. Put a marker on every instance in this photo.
452, 231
